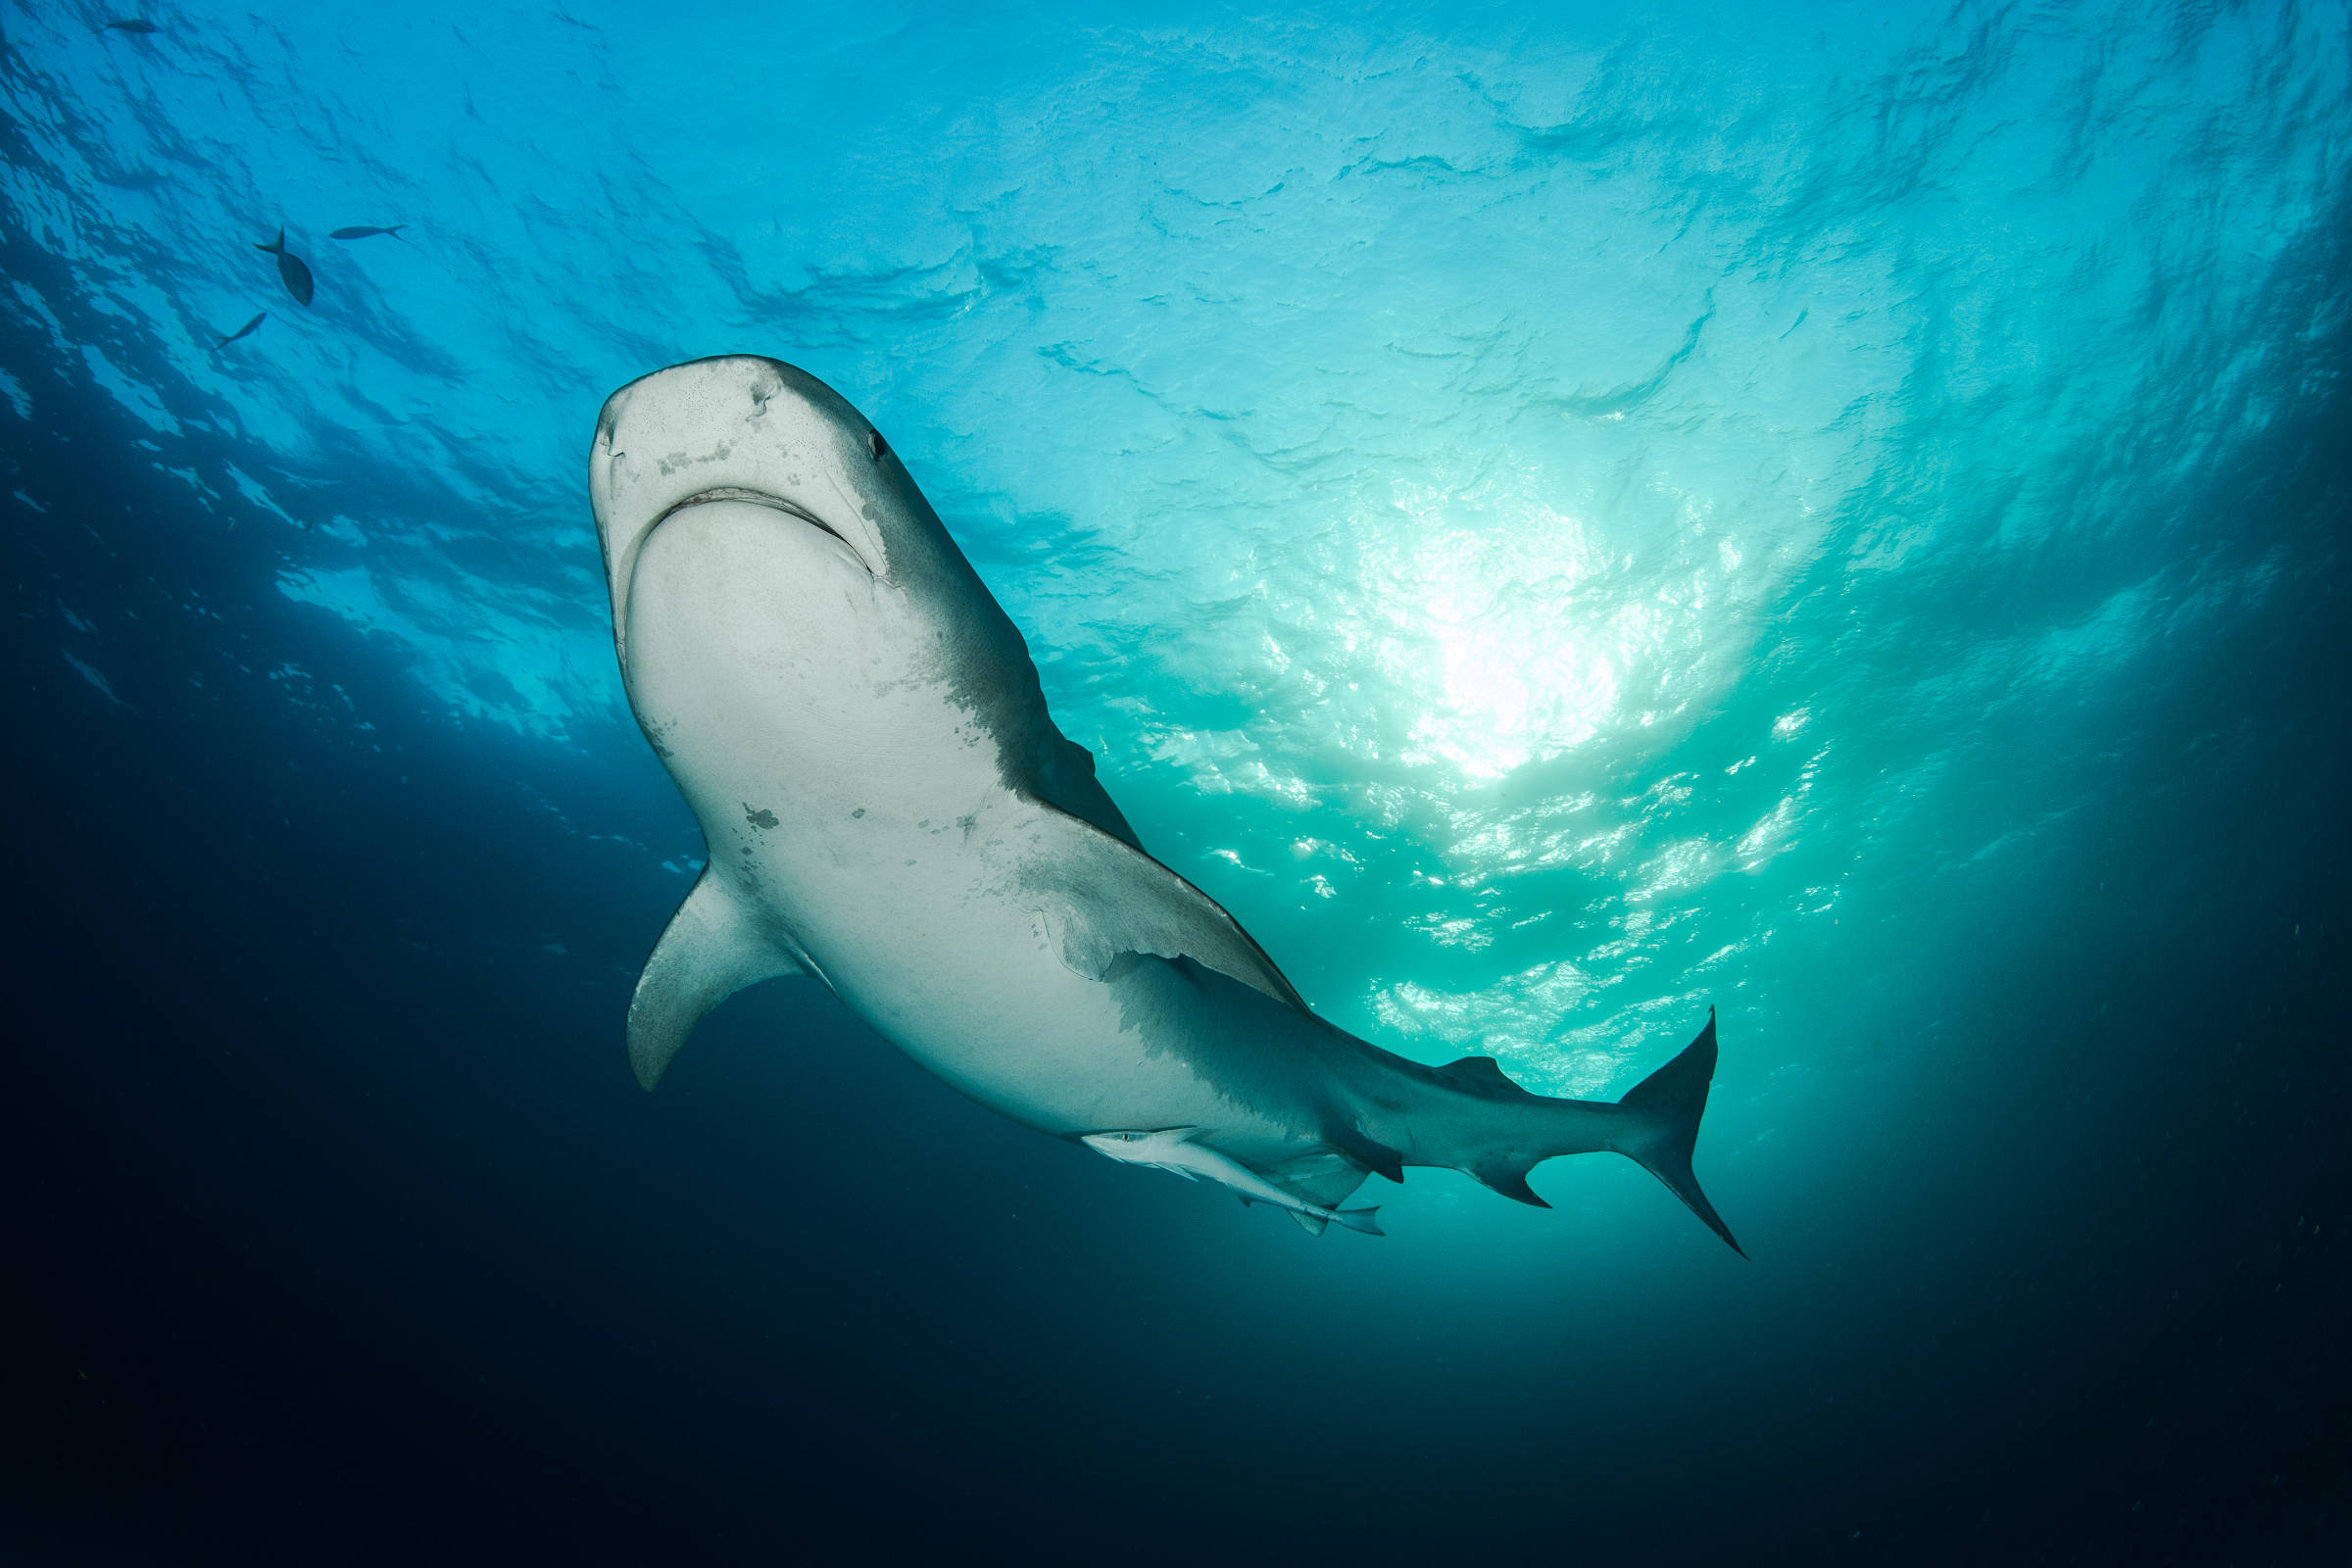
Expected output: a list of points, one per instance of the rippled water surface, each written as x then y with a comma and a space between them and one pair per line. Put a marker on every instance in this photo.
1559, 517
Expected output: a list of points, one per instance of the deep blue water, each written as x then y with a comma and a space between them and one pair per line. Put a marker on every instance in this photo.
1557, 516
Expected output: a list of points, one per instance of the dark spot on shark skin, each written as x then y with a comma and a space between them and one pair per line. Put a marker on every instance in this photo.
758, 818
671, 464
765, 384
860, 812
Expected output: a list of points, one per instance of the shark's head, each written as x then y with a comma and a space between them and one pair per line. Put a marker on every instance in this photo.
768, 555
1140, 1147
744, 430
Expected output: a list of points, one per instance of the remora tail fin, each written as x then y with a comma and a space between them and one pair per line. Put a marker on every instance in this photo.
709, 950
1360, 1219
1666, 1106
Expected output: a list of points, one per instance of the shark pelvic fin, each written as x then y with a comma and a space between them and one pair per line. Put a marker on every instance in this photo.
1510, 1180
709, 950
1368, 1152
1312, 1224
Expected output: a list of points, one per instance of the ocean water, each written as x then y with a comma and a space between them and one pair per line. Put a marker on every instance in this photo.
1557, 516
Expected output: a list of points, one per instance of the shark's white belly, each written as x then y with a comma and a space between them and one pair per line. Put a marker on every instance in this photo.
888, 849
923, 932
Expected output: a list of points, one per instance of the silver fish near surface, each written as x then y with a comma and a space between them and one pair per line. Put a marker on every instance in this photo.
247, 330
891, 812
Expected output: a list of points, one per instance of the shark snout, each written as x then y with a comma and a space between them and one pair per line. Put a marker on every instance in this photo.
741, 427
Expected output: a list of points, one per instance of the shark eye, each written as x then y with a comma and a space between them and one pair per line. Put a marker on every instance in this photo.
879, 447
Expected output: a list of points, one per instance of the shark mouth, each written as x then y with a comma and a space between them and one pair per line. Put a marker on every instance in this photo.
624, 568
761, 498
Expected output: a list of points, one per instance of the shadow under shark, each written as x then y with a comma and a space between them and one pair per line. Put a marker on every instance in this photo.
890, 810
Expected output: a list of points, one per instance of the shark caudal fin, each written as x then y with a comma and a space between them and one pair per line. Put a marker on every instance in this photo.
1666, 1106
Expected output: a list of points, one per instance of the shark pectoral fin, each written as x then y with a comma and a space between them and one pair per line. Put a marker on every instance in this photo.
1106, 897
709, 950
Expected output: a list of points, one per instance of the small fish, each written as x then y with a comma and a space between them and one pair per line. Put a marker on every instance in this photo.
366, 231
129, 25
247, 330
291, 269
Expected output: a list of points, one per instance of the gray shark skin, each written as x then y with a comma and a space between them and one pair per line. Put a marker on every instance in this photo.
889, 811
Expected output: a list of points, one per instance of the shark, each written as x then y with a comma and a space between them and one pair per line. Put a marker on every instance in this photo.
889, 811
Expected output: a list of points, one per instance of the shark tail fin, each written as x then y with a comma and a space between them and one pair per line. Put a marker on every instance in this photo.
1665, 1107
276, 245
1359, 1220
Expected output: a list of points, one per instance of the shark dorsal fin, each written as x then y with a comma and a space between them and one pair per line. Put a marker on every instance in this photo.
709, 950
1484, 1070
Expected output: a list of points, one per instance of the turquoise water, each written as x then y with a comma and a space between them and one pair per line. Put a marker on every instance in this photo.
1558, 519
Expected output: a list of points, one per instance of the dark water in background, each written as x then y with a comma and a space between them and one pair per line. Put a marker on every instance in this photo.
1555, 526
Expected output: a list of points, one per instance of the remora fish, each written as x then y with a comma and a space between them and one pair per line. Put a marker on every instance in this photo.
292, 271
1175, 1151
366, 231
890, 810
